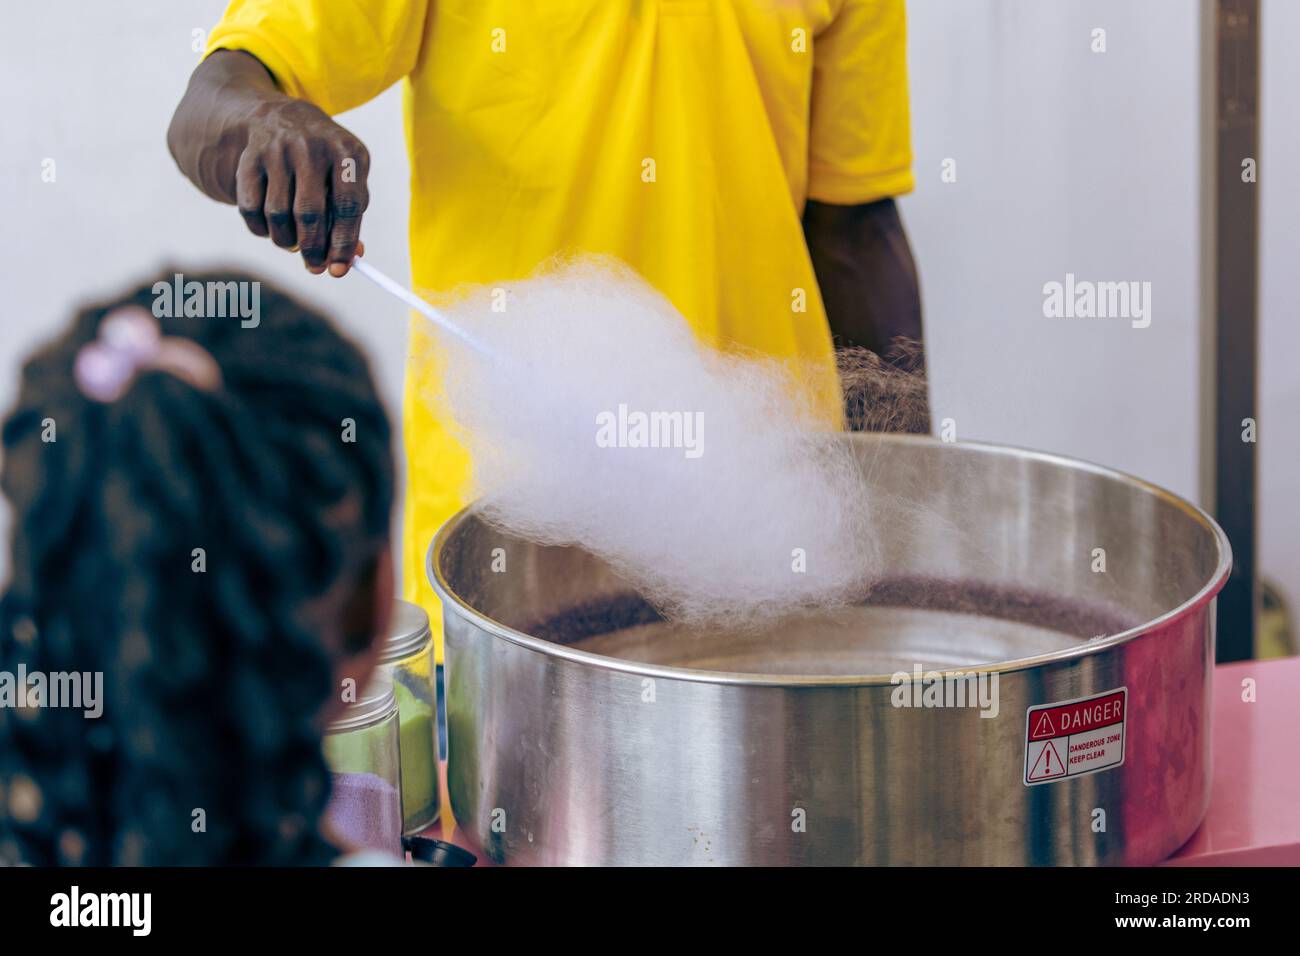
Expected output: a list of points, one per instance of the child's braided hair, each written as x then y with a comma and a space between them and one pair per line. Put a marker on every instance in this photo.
214, 680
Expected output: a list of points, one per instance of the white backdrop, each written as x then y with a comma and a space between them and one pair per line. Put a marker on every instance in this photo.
1279, 306
1067, 161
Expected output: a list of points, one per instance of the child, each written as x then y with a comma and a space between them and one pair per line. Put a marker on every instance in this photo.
201, 512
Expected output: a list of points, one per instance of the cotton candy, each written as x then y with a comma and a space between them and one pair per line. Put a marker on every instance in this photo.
705, 478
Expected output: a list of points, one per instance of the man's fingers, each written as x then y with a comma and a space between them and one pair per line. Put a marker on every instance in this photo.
279, 205
311, 215
250, 193
348, 201
302, 182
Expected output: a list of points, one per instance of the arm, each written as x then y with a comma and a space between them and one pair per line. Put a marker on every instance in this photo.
859, 156
869, 285
296, 175
866, 274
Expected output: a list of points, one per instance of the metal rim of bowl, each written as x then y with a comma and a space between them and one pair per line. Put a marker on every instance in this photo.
1203, 596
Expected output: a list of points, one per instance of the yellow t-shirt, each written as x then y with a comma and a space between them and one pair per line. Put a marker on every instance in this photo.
682, 136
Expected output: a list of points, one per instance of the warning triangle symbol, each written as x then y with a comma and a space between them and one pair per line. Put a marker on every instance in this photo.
1043, 727
1048, 763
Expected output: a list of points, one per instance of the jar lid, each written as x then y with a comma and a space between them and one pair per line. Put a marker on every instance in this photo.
374, 704
410, 632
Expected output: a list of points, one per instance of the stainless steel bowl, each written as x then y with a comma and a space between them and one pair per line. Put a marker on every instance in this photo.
584, 731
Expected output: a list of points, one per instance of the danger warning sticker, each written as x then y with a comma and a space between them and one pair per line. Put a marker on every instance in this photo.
1075, 737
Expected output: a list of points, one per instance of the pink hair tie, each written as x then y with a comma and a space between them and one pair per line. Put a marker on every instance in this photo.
130, 342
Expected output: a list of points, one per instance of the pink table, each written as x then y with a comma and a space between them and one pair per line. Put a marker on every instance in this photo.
1254, 817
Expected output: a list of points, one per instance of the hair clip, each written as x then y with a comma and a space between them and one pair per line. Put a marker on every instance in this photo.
129, 342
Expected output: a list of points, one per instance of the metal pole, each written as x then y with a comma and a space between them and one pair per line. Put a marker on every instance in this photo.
1230, 157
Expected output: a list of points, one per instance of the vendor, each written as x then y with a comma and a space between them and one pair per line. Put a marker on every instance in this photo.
741, 155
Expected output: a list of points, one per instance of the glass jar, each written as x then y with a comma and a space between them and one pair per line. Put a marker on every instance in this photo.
362, 751
408, 657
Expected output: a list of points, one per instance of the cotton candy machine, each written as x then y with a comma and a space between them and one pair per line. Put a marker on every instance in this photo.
1030, 685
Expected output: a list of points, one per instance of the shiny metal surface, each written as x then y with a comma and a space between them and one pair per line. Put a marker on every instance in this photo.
635, 742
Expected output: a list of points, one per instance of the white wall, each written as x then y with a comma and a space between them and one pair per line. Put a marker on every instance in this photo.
1279, 306
1067, 161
